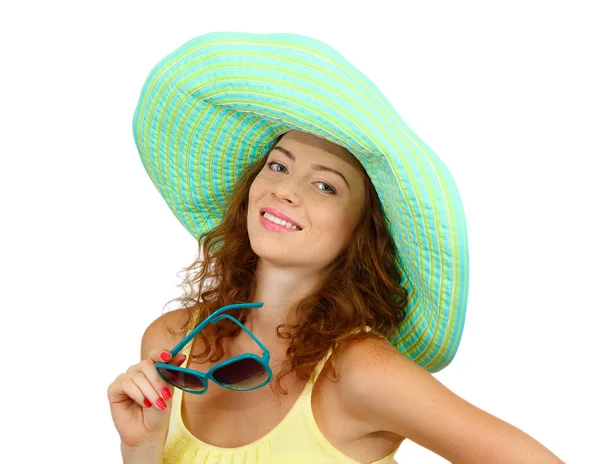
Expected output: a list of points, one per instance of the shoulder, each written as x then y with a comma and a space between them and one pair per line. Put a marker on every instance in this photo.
362, 367
165, 331
374, 356
380, 386
365, 366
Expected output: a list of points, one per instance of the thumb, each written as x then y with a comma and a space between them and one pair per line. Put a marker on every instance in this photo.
178, 359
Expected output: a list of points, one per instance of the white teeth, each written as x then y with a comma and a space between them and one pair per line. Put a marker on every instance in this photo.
281, 222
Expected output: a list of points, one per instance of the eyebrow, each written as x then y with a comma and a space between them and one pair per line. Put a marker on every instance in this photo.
318, 167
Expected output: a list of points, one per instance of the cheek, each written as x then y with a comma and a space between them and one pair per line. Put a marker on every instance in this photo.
255, 195
333, 223
251, 195
259, 182
254, 192
342, 223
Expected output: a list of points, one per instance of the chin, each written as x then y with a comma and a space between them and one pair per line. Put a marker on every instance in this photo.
270, 251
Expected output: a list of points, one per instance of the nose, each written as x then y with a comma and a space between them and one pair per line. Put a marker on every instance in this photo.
288, 190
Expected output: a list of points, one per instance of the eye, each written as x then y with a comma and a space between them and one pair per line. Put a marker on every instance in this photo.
330, 191
271, 163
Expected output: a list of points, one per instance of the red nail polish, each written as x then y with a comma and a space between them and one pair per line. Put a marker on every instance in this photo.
180, 362
165, 356
147, 403
161, 404
166, 393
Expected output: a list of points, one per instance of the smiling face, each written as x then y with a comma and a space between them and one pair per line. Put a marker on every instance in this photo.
299, 184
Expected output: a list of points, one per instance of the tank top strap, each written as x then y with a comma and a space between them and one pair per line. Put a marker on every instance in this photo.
186, 350
320, 365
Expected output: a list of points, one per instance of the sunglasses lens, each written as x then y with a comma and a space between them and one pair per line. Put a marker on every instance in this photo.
183, 379
242, 375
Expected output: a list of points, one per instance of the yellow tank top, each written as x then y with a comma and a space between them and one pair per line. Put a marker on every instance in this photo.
295, 440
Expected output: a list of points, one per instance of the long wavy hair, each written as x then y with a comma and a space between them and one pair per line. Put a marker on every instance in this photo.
361, 287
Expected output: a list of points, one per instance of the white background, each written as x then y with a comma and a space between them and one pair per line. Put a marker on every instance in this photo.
507, 94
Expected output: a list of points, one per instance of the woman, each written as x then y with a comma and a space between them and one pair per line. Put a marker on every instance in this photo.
359, 268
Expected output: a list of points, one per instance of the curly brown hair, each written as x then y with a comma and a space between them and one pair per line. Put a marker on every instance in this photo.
361, 287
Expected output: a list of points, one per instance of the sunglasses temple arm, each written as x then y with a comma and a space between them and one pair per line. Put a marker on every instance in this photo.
206, 321
263, 347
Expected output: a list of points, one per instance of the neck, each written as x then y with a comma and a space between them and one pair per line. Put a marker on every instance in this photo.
279, 290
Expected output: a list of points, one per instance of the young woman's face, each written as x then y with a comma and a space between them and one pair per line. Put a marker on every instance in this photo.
298, 183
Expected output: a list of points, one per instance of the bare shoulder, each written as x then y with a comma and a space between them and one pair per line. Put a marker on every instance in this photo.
360, 367
379, 385
365, 366
375, 377
372, 351
374, 356
159, 334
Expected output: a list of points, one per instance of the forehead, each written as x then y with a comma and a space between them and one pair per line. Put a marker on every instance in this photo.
305, 143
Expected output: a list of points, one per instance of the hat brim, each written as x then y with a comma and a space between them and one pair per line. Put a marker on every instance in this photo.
216, 105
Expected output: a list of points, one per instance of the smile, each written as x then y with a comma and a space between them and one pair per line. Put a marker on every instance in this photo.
275, 224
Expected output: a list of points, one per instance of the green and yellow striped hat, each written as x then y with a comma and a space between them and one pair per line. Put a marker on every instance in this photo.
217, 104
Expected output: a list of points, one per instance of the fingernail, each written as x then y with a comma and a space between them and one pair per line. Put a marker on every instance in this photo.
180, 362
166, 393
165, 356
147, 403
161, 404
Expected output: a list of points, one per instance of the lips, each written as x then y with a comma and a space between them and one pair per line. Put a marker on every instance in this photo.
280, 215
274, 227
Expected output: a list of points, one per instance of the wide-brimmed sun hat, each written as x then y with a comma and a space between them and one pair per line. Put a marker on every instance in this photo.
217, 104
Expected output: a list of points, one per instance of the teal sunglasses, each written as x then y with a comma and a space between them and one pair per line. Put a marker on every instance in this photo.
243, 372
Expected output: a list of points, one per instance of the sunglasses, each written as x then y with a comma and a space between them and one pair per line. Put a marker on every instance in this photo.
243, 372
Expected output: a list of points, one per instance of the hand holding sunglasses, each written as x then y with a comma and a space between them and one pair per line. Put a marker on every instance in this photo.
244, 372
138, 401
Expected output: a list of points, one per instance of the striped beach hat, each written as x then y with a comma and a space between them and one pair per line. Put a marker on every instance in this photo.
217, 103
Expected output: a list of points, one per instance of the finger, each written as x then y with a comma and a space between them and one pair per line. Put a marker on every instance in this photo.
115, 391
149, 391
159, 355
163, 356
178, 359
123, 389
148, 366
160, 386
135, 393
164, 388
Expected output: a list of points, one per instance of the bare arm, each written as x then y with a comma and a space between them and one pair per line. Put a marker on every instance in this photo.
385, 388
